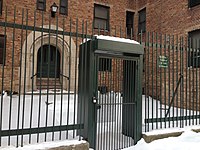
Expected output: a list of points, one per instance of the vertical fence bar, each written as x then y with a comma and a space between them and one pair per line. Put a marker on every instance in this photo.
20, 79
145, 57
109, 100
113, 102
196, 43
56, 73
148, 49
24, 92
173, 73
198, 79
160, 82
152, 78
193, 52
115, 76
76, 55
82, 72
70, 36
3, 70
180, 48
40, 77
99, 83
177, 79
62, 68
157, 80
48, 76
186, 86
189, 66
169, 74
32, 86
12, 74
165, 80
118, 67
182, 83
120, 106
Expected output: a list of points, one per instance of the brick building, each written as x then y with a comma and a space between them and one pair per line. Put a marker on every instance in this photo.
127, 16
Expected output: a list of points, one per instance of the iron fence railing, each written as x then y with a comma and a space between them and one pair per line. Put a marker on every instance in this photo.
171, 81
35, 107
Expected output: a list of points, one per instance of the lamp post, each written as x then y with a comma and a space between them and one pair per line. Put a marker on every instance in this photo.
54, 9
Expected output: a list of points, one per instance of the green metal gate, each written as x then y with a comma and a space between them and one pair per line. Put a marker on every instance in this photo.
111, 101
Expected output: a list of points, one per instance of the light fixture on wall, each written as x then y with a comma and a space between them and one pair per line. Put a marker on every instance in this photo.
54, 9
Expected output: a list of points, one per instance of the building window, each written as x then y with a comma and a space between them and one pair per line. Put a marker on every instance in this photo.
194, 52
1, 6
193, 3
63, 7
2, 48
101, 17
105, 64
41, 5
129, 23
142, 21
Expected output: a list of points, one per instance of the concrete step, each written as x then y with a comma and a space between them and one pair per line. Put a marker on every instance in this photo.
50, 83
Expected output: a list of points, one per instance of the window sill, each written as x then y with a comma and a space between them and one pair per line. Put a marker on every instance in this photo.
193, 7
102, 30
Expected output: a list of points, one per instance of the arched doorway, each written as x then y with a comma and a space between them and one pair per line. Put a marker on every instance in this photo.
48, 62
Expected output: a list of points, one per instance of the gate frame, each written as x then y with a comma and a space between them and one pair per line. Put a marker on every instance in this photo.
88, 75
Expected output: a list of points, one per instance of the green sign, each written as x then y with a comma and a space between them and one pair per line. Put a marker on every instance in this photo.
163, 61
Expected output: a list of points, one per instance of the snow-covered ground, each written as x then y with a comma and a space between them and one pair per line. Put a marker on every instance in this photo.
188, 140
40, 109
109, 127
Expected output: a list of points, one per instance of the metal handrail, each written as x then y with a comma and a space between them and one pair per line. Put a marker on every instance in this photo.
33, 76
64, 76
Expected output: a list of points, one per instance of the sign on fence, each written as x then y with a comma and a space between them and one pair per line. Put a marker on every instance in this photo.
163, 61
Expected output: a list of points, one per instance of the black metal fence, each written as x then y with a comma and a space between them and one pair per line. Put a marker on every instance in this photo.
171, 81
39, 80
38, 77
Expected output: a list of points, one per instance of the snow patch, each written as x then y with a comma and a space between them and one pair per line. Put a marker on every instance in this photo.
46, 145
117, 39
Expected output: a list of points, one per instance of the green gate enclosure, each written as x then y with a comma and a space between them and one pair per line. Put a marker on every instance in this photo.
101, 109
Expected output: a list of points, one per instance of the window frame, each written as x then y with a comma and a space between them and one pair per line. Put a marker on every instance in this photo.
132, 24
65, 7
191, 3
1, 7
44, 5
101, 18
194, 52
143, 22
3, 52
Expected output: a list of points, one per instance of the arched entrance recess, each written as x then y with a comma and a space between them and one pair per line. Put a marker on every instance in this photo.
30, 48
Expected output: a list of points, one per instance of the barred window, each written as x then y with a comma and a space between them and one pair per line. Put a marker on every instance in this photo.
41, 5
142, 21
101, 17
2, 48
64, 7
193, 3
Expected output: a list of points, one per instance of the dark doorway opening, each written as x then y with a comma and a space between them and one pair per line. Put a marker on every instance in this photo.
48, 62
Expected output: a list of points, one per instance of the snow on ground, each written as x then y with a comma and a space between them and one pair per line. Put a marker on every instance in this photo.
48, 114
189, 140
45, 145
109, 129
155, 109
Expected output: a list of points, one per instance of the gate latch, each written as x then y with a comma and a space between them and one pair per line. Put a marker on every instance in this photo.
94, 99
